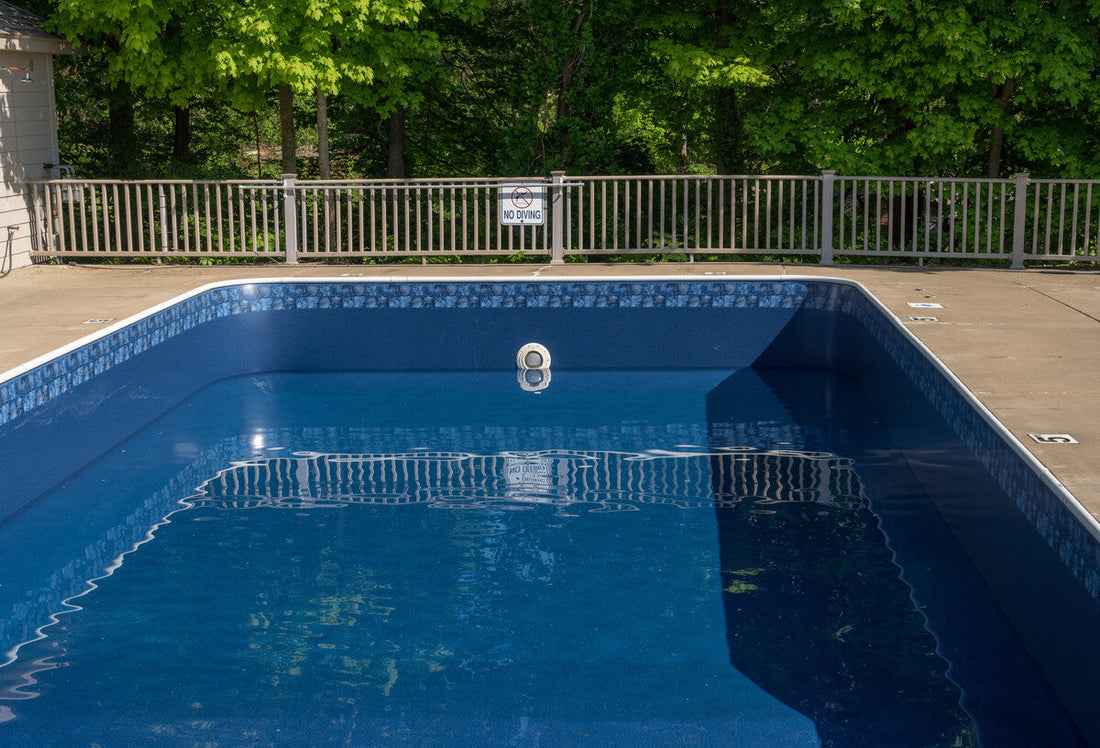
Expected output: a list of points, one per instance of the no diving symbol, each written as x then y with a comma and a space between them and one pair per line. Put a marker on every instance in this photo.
521, 204
522, 197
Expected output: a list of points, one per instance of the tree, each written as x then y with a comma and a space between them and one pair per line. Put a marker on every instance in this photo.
520, 87
367, 51
537, 85
710, 56
180, 49
960, 88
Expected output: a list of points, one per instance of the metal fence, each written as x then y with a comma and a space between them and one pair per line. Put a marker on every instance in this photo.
692, 215
1014, 220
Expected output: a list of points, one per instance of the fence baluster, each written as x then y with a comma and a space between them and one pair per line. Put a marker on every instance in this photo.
71, 228
265, 220
1088, 217
779, 230
805, 204
1062, 220
1050, 217
1073, 225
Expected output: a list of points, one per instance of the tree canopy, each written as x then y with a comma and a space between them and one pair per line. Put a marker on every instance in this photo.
520, 87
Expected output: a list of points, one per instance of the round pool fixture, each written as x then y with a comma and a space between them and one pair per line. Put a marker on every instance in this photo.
533, 356
533, 380
533, 367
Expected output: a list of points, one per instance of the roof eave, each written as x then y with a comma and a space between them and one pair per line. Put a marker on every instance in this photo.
35, 44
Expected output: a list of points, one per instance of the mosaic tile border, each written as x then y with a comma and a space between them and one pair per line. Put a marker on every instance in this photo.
1043, 504
33, 388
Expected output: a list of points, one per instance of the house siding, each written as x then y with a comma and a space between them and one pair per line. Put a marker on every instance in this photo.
28, 141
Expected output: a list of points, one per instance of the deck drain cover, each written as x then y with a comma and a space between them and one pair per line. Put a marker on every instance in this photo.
1052, 439
98, 321
925, 305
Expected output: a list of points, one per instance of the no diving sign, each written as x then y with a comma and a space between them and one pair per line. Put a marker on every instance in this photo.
522, 203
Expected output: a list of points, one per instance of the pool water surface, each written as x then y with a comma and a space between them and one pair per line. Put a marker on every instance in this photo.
652, 557
743, 512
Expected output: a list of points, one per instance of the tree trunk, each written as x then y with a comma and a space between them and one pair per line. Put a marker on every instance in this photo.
729, 155
324, 166
286, 130
259, 151
123, 144
565, 84
728, 129
181, 135
395, 146
1004, 94
123, 137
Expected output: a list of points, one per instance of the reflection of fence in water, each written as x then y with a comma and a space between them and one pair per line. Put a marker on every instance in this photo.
600, 480
609, 480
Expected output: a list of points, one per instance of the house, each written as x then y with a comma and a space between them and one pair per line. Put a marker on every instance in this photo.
28, 123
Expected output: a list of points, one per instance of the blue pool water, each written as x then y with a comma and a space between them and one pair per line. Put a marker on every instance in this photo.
731, 555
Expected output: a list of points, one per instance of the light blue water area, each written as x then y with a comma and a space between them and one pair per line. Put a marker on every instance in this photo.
446, 559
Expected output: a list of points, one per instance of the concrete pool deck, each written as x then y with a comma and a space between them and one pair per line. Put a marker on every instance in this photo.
1026, 343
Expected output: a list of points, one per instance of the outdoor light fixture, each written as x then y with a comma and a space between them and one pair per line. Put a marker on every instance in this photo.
12, 70
25, 71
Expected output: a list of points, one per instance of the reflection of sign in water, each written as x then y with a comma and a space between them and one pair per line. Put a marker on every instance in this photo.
531, 475
521, 204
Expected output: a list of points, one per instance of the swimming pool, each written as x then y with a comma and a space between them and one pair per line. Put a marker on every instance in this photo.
710, 428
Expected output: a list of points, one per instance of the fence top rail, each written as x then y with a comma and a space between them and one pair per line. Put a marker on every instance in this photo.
689, 177
392, 186
931, 180
1064, 181
265, 183
453, 182
574, 180
419, 182
78, 181
434, 181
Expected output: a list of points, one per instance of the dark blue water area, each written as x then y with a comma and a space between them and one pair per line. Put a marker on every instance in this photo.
624, 558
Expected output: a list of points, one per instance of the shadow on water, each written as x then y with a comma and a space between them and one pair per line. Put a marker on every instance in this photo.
847, 595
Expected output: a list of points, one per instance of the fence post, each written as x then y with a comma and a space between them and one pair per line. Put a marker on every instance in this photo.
557, 216
1019, 220
34, 214
50, 219
290, 219
828, 178
44, 222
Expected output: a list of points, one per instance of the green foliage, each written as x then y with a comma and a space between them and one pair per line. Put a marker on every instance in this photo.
521, 87
926, 87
